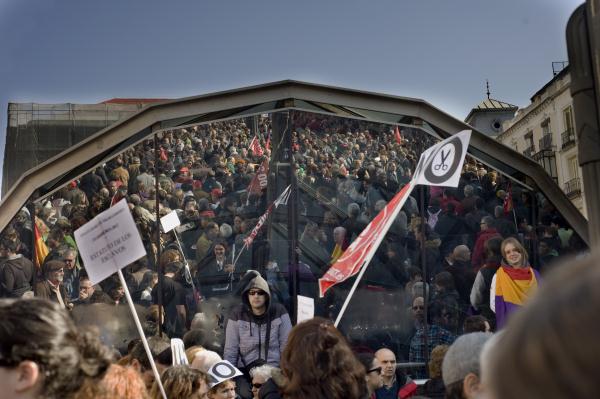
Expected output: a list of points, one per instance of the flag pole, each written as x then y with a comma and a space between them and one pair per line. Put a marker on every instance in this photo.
141, 332
376, 244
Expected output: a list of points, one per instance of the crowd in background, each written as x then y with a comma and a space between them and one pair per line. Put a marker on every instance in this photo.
432, 279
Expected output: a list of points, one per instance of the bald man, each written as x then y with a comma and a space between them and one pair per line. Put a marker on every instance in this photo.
395, 383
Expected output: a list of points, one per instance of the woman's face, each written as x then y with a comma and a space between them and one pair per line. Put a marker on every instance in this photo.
257, 382
512, 255
225, 390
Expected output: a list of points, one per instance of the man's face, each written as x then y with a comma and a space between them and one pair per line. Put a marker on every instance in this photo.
57, 276
219, 251
86, 289
418, 309
70, 261
257, 298
387, 360
374, 376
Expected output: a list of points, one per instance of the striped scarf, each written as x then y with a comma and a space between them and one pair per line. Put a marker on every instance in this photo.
513, 287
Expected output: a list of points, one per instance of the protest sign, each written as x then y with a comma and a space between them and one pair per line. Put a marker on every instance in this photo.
222, 371
169, 221
109, 242
441, 164
306, 308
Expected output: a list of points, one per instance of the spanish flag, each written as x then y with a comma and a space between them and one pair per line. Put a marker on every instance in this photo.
41, 250
513, 288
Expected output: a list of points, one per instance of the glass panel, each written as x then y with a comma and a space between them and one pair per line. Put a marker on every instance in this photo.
342, 171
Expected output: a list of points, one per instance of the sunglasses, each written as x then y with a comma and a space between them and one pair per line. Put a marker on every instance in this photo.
252, 293
257, 385
376, 369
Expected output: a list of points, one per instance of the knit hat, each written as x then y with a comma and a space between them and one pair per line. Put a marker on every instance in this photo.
463, 357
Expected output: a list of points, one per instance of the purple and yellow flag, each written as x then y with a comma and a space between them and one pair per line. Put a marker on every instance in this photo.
513, 287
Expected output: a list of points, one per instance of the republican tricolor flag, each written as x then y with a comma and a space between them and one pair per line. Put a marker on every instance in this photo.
41, 250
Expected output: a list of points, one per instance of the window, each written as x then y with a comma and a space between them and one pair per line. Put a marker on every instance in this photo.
568, 118
573, 166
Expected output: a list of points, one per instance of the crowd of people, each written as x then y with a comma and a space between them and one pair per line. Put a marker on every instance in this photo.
456, 260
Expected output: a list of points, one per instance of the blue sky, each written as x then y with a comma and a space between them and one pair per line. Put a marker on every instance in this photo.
55, 51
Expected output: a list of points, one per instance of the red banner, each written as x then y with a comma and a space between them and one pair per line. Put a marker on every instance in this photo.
398, 135
360, 252
260, 179
255, 147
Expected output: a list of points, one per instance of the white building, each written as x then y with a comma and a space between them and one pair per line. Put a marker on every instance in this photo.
544, 131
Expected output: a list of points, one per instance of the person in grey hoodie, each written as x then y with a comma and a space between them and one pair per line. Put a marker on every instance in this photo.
257, 329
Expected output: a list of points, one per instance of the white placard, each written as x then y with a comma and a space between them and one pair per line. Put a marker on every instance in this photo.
222, 371
441, 164
170, 221
306, 308
109, 242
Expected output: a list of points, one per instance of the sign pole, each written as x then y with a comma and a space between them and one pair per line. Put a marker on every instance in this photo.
141, 332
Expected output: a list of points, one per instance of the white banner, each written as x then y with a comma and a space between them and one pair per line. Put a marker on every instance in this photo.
441, 164
109, 242
306, 308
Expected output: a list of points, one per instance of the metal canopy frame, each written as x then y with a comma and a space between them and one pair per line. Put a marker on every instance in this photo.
105, 144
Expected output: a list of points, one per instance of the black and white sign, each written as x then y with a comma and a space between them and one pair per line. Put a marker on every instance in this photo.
222, 371
109, 242
441, 164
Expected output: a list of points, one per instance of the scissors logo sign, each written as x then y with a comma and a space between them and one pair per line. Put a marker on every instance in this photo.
441, 164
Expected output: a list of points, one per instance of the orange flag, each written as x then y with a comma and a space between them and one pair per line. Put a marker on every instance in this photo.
40, 248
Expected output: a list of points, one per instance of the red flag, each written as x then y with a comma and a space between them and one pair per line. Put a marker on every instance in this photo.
508, 202
255, 147
41, 250
398, 135
259, 181
163, 154
282, 199
360, 252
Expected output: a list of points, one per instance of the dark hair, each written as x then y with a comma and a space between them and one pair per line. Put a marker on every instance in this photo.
194, 337
160, 349
445, 281
40, 331
474, 323
493, 254
325, 367
366, 359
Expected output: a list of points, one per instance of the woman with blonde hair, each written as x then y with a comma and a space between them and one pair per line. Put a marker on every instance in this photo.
514, 282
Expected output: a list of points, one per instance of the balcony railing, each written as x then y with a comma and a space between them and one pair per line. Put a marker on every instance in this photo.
546, 142
573, 188
568, 138
528, 152
541, 154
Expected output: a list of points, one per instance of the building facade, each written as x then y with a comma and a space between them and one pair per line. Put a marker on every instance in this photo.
544, 131
37, 132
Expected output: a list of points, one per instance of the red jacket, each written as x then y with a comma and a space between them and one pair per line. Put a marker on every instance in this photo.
478, 257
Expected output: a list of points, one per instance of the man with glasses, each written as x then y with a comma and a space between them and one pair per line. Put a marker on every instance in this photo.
52, 287
257, 329
71, 277
373, 369
395, 384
